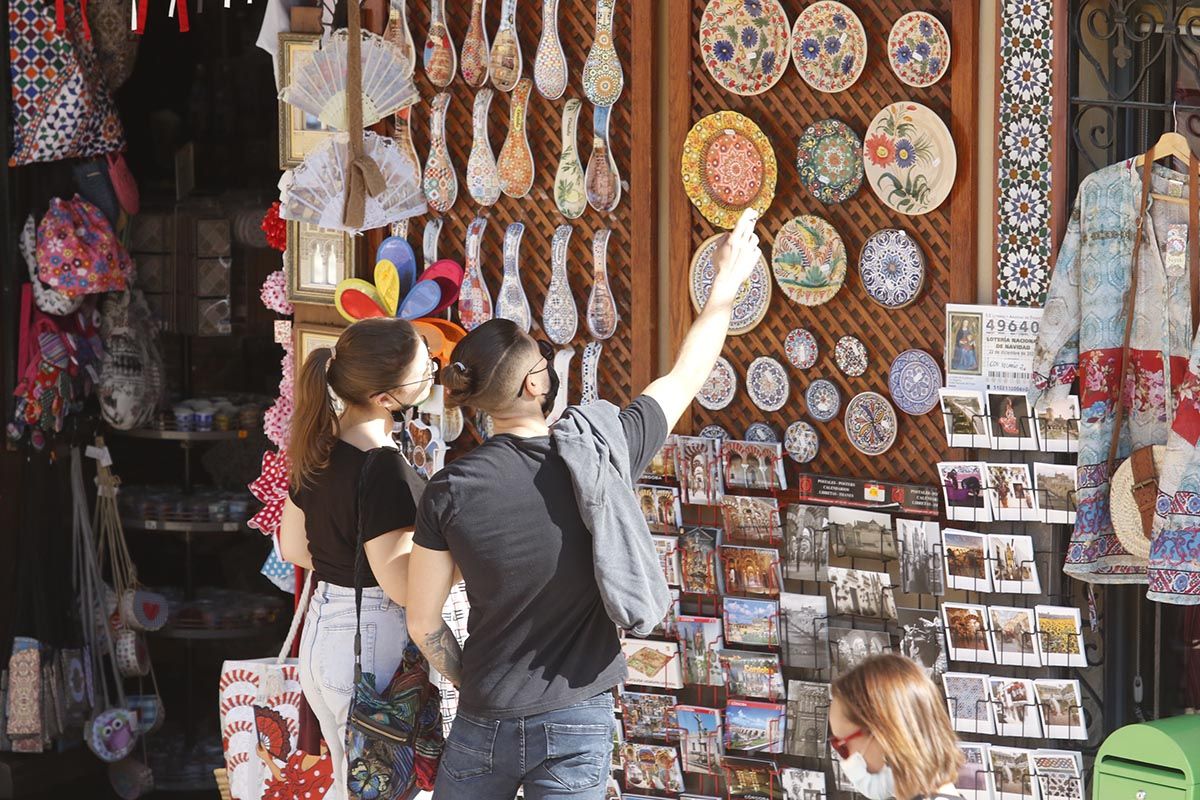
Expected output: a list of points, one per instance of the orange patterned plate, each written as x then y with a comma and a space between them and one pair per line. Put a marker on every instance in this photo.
728, 166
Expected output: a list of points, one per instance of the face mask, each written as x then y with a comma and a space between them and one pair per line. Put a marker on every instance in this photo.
872, 785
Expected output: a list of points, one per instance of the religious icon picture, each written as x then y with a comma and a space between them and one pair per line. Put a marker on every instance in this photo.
964, 339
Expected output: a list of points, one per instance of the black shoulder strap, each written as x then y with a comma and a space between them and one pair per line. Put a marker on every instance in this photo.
360, 558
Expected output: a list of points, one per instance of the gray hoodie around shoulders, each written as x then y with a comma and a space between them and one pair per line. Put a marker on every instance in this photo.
591, 441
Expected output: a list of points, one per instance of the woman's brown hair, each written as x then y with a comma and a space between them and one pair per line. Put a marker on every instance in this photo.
488, 367
371, 357
895, 702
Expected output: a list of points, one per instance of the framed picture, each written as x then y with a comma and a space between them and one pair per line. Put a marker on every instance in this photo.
318, 259
299, 132
964, 340
311, 337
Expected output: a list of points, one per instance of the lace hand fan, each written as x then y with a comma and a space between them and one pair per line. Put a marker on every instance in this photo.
319, 85
315, 191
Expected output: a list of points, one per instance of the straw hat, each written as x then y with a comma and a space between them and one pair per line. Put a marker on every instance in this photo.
1126, 519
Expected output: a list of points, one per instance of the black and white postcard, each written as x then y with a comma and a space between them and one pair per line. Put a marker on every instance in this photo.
920, 545
805, 630
859, 593
807, 718
923, 640
806, 543
861, 534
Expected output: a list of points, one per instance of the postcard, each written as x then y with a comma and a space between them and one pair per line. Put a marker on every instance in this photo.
1059, 774
752, 674
661, 508
1013, 770
965, 418
653, 663
651, 766
1014, 636
1055, 486
923, 640
698, 551
1012, 494
974, 780
751, 570
1058, 424
701, 639
849, 647
968, 699
1061, 636
662, 466
1014, 569
805, 630
666, 628
920, 545
752, 519
754, 727
806, 538
753, 465
807, 718
1012, 426
1062, 708
802, 784
1016, 708
752, 622
964, 489
967, 564
750, 779
667, 548
700, 738
862, 534
646, 715
698, 467
859, 593
967, 633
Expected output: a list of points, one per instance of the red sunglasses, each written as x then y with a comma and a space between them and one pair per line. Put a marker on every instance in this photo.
840, 745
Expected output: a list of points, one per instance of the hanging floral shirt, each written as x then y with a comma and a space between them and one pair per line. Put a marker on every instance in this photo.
1081, 336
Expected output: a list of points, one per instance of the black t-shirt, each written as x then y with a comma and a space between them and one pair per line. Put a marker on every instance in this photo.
328, 503
540, 639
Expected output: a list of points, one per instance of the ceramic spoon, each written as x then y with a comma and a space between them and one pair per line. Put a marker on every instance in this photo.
569, 194
476, 59
429, 243
562, 365
603, 182
560, 320
516, 159
603, 78
550, 64
591, 369
398, 34
602, 309
441, 182
483, 181
441, 62
513, 303
402, 133
399, 229
474, 300
506, 49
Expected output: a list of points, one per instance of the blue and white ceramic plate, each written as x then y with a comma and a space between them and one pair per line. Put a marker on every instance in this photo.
851, 356
761, 432
892, 268
714, 432
824, 400
767, 383
914, 380
800, 347
718, 391
801, 442
871, 423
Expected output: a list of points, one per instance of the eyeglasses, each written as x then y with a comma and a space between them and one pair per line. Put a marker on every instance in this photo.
840, 745
547, 352
433, 369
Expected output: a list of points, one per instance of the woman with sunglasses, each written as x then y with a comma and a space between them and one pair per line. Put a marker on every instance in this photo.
378, 368
889, 727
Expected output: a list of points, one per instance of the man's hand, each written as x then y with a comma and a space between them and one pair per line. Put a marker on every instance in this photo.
735, 259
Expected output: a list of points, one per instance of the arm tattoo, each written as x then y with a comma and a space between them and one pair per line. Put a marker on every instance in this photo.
444, 653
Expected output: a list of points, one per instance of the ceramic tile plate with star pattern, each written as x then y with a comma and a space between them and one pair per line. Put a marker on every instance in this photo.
829, 46
871, 423
909, 158
809, 260
761, 432
767, 383
913, 381
753, 298
801, 442
745, 44
728, 165
851, 356
892, 268
720, 388
919, 49
824, 400
800, 347
714, 432
829, 159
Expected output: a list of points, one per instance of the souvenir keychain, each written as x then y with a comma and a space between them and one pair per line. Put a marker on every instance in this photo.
602, 309
441, 182
429, 242
483, 179
475, 62
550, 63
560, 320
513, 303
506, 49
569, 194
398, 33
516, 159
602, 181
603, 78
441, 62
474, 301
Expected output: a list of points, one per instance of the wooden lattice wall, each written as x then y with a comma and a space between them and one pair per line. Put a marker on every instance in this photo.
947, 235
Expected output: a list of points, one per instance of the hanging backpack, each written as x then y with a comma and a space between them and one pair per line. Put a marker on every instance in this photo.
78, 251
131, 372
47, 300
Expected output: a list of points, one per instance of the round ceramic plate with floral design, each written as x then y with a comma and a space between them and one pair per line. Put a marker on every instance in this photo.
919, 49
892, 268
851, 356
871, 423
829, 158
809, 260
745, 44
829, 46
801, 442
728, 166
718, 391
913, 381
761, 432
714, 432
800, 346
824, 400
767, 383
909, 158
753, 298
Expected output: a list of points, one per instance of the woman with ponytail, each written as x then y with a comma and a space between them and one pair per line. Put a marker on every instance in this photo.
378, 368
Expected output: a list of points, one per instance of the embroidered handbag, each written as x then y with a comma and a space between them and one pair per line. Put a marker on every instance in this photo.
47, 300
78, 252
61, 106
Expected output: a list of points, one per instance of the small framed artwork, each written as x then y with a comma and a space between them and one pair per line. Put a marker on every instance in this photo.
965, 417
300, 133
1058, 424
967, 633
318, 259
313, 337
1055, 486
1012, 426
964, 340
965, 490
698, 556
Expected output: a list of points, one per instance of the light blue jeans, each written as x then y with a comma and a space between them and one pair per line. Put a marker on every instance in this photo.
327, 660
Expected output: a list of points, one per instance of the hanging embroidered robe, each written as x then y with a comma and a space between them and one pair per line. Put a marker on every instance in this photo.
1081, 336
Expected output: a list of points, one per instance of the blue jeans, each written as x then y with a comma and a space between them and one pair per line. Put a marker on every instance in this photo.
564, 753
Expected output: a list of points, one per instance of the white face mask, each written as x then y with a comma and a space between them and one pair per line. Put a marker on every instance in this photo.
872, 785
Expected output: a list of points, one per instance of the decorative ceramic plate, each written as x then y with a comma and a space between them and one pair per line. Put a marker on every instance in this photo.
767, 383
829, 46
714, 432
728, 166
851, 356
914, 380
809, 260
718, 391
824, 400
919, 49
800, 346
753, 298
745, 45
909, 158
829, 157
801, 442
761, 432
892, 268
871, 423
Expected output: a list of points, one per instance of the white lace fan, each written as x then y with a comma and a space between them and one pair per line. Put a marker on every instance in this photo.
319, 85
315, 191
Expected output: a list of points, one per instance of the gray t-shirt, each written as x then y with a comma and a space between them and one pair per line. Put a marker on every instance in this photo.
540, 639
